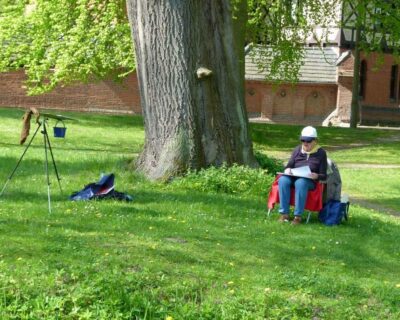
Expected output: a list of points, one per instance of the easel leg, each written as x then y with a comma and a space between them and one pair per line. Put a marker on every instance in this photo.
46, 164
20, 159
53, 160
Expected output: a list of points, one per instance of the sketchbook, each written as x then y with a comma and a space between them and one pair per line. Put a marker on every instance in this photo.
302, 172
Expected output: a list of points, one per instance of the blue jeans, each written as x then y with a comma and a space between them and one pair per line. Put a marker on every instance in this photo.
301, 188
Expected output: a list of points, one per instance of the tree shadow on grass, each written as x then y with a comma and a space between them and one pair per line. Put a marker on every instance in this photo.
29, 167
354, 243
232, 203
12, 113
278, 245
279, 250
87, 119
16, 195
109, 121
384, 206
59, 150
332, 138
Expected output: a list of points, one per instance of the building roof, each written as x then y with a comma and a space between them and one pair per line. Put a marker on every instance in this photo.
319, 65
343, 57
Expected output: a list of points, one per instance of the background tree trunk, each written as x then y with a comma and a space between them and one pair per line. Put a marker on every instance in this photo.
192, 119
355, 108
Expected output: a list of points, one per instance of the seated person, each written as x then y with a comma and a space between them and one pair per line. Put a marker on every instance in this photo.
306, 154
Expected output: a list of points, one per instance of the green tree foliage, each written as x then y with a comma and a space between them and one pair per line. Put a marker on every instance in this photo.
376, 25
378, 21
61, 41
284, 25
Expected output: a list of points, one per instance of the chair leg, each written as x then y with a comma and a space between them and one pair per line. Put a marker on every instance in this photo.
308, 216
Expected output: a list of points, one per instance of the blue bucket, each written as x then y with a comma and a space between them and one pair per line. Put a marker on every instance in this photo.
59, 132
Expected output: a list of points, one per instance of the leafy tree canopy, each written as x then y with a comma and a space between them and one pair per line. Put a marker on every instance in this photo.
61, 41
284, 26
378, 21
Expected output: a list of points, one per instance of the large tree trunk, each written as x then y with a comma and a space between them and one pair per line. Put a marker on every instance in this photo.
193, 118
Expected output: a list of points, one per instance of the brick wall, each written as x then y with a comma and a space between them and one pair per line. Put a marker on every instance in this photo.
291, 104
345, 84
378, 82
103, 96
106, 96
376, 106
380, 115
305, 102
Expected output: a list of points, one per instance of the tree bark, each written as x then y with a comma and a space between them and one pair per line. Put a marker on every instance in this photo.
192, 94
355, 108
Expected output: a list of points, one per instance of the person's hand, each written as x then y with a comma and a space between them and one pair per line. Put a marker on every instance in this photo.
314, 175
288, 171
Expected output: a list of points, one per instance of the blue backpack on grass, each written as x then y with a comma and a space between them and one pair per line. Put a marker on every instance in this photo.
334, 212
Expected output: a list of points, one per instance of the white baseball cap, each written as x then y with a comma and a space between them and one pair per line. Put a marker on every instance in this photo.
308, 133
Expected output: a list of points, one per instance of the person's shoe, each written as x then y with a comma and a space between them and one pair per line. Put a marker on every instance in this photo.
284, 218
296, 220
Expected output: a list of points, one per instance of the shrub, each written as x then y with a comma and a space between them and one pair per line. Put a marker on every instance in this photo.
272, 165
232, 180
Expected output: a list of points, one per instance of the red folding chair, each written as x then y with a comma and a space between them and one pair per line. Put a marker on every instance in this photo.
313, 202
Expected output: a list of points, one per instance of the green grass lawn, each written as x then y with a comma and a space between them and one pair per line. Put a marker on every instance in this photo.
380, 153
345, 145
380, 186
179, 251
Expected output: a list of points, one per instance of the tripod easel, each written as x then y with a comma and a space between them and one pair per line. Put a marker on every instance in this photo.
47, 149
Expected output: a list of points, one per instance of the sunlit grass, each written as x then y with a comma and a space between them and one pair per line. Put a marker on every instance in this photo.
378, 185
175, 252
376, 153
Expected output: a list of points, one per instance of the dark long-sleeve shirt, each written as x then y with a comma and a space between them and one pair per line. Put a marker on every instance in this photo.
316, 161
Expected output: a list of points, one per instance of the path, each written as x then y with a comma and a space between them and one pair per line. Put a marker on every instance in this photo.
369, 166
375, 206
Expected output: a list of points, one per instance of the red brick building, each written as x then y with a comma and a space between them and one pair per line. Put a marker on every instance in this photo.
324, 90
311, 100
322, 96
379, 89
103, 96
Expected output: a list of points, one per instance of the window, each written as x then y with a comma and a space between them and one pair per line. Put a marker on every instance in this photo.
394, 75
363, 79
